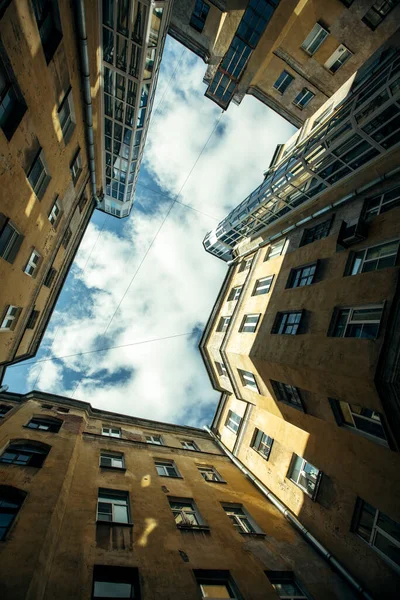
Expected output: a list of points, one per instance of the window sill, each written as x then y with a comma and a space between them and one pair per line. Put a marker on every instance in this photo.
253, 534
171, 476
39, 430
113, 468
200, 528
114, 523
211, 481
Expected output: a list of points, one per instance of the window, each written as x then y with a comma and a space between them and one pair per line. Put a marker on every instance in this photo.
240, 518
378, 12
338, 58
245, 264
166, 468
302, 276
12, 105
115, 582
248, 380
375, 258
11, 500
76, 166
223, 324
83, 201
221, 369
304, 475
33, 264
189, 445
25, 453
48, 22
378, 530
314, 39
33, 317
38, 175
366, 421
4, 408
113, 506
115, 460
287, 323
154, 439
235, 293
216, 584
62, 409
233, 421
66, 116
275, 250
186, 513
67, 237
10, 318
210, 474
285, 585
303, 98
199, 15
45, 424
262, 286
55, 213
283, 82
10, 239
50, 276
262, 443
249, 323
318, 232
111, 431
288, 394
381, 203
361, 322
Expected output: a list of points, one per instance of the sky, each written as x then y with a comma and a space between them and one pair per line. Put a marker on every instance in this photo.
127, 324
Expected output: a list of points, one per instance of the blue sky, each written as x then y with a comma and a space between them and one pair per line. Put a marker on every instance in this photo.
113, 297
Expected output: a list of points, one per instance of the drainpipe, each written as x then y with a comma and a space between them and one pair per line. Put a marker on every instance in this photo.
293, 520
87, 96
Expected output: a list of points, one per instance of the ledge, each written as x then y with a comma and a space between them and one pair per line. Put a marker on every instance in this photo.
253, 534
114, 523
201, 528
112, 468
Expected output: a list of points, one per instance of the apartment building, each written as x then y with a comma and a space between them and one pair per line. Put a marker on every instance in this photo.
96, 504
292, 55
303, 340
47, 192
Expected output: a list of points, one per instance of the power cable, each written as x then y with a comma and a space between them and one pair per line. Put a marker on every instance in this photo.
168, 84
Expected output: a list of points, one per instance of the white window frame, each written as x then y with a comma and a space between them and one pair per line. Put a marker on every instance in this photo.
223, 324
71, 119
111, 431
303, 473
365, 260
54, 214
117, 459
189, 445
245, 264
231, 423
44, 176
351, 321
32, 265
383, 202
284, 595
152, 438
249, 323
10, 318
248, 380
305, 93
241, 519
262, 441
215, 476
221, 369
339, 58
262, 284
124, 501
76, 166
354, 416
234, 293
278, 87
185, 514
163, 465
275, 249
317, 34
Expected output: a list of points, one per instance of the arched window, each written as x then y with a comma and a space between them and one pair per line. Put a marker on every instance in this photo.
45, 424
25, 453
11, 500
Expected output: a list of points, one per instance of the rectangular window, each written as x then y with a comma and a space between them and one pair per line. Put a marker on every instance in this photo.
10, 239
262, 443
38, 175
249, 323
287, 323
12, 105
111, 431
11, 500
381, 203
33, 317
10, 318
115, 582
378, 12
366, 421
360, 322
242, 521
223, 324
221, 369
49, 25
55, 213
248, 380
283, 82
235, 293
232, 421
375, 258
76, 166
379, 531
216, 584
45, 424
303, 98
286, 585
338, 58
66, 116
166, 468
189, 445
186, 513
33, 264
112, 459
275, 249
318, 232
210, 474
67, 237
113, 506
154, 439
288, 394
4, 408
304, 475
245, 264
314, 39
262, 286
199, 15
48, 281
301, 276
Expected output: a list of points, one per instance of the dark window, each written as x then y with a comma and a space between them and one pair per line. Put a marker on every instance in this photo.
33, 317
82, 202
166, 468
186, 513
233, 421
221, 369
318, 232
38, 175
303, 98
113, 506
216, 584
11, 500
45, 424
10, 239
47, 406
287, 323
283, 82
245, 264
381, 203
302, 276
286, 585
347, 2
304, 475
115, 582
255, 19
66, 116
76, 166
199, 15
241, 519
378, 12
189, 445
48, 280
12, 105
4, 408
10, 317
366, 421
249, 323
235, 293
67, 237
112, 459
373, 259
223, 324
288, 394
262, 443
49, 25
360, 322
61, 409
25, 453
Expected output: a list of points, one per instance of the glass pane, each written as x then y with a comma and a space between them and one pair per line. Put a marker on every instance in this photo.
105, 589
367, 516
215, 590
388, 547
122, 17
108, 45
296, 467
120, 513
389, 526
